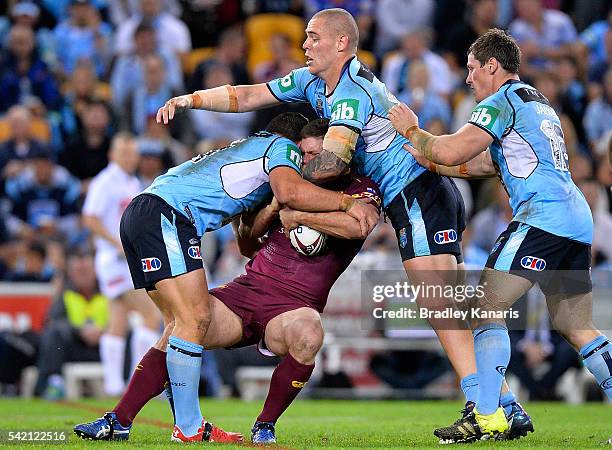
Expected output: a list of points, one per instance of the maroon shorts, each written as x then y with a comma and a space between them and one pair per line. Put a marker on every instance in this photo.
256, 302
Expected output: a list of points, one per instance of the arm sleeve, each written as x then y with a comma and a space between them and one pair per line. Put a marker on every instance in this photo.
283, 152
292, 87
363, 187
494, 115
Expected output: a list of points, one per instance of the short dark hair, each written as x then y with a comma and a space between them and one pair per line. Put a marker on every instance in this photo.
288, 124
500, 45
315, 128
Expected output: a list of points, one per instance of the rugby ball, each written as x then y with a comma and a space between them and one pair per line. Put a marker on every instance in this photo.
307, 241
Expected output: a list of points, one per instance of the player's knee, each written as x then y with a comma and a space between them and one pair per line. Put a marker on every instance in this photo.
308, 341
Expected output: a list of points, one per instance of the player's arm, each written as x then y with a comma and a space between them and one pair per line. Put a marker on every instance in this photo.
338, 148
250, 227
291, 190
222, 99
95, 225
337, 224
448, 150
481, 166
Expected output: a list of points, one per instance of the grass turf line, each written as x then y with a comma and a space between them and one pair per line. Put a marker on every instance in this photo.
312, 424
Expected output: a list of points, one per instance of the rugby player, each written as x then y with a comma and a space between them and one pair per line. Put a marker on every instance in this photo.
161, 229
514, 132
426, 209
276, 305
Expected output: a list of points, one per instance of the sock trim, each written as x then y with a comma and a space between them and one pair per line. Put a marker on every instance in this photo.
596, 349
185, 352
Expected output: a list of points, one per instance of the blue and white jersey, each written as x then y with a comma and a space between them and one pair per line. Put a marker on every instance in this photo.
361, 102
529, 153
213, 188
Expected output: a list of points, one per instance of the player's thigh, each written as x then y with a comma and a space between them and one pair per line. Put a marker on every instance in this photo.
187, 297
298, 327
572, 317
225, 329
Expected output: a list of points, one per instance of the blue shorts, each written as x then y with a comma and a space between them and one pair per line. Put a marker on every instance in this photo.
428, 216
560, 265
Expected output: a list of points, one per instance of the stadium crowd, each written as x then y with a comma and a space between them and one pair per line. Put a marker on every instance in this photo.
73, 73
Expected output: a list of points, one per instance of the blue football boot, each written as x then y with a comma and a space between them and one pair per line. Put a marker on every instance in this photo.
263, 433
519, 421
106, 428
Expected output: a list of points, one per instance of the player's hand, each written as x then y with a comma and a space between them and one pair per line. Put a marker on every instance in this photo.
288, 218
173, 106
275, 206
402, 118
366, 214
418, 156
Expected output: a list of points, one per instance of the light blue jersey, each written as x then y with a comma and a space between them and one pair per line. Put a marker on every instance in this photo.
528, 151
213, 188
361, 102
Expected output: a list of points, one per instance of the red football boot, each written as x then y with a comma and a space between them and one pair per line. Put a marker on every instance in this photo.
208, 433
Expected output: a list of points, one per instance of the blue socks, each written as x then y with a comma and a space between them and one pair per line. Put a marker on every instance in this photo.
184, 360
492, 348
506, 400
469, 386
597, 357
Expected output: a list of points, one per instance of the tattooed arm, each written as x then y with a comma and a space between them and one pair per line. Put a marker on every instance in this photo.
338, 147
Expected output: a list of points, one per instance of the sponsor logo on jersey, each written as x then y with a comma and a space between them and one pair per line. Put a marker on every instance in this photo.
194, 252
286, 83
403, 238
445, 236
298, 384
345, 109
150, 264
375, 198
294, 155
194, 241
485, 116
533, 263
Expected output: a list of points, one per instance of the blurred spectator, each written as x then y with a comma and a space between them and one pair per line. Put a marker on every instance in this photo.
282, 61
27, 13
21, 143
207, 20
172, 34
82, 88
60, 9
31, 266
220, 128
597, 71
361, 10
23, 73
433, 111
83, 36
602, 222
543, 35
295, 7
86, 153
593, 41
147, 98
415, 47
128, 71
598, 117
178, 152
573, 94
122, 10
155, 159
481, 15
231, 53
581, 168
396, 18
76, 321
44, 197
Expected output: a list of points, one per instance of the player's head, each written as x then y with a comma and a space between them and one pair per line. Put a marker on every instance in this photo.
124, 152
492, 59
288, 124
312, 138
331, 39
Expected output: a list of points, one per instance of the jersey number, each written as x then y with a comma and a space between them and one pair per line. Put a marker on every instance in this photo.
554, 133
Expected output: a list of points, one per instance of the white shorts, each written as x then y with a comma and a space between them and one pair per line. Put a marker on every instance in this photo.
113, 274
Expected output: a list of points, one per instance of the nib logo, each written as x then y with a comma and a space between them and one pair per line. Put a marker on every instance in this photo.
298, 384
501, 370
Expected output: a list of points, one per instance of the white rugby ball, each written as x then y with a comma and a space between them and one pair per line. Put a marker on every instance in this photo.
307, 241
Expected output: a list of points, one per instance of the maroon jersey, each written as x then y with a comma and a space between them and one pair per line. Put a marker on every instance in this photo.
281, 271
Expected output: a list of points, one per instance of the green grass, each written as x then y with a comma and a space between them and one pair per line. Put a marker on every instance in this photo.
318, 424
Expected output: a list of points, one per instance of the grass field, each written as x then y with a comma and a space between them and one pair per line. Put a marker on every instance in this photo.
317, 424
